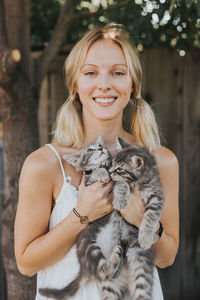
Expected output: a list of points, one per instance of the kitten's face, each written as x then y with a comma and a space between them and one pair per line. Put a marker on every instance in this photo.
89, 158
126, 167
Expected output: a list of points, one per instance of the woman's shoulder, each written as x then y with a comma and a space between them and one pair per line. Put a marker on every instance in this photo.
40, 157
44, 159
165, 157
38, 163
162, 154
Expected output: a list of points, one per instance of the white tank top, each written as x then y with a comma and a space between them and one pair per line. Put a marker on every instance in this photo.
63, 272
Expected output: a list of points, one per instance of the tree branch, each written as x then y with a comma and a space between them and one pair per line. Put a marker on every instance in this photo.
9, 60
171, 8
3, 35
59, 36
67, 17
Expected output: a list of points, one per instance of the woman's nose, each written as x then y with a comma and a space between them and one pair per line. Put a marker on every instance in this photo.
104, 83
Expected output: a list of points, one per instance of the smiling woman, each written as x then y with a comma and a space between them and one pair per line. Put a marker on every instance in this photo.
103, 75
120, 57
104, 84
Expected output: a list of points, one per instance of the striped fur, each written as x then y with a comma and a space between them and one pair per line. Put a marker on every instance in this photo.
110, 250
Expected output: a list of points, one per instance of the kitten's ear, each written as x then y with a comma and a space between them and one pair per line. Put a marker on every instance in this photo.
99, 140
123, 144
137, 161
73, 159
118, 146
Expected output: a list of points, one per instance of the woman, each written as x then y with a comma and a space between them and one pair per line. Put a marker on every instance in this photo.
103, 76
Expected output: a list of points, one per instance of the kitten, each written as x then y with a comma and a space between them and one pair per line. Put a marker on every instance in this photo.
110, 249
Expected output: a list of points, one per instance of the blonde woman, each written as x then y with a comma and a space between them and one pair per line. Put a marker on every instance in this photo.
103, 75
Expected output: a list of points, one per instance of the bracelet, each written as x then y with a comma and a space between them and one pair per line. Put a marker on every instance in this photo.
158, 234
83, 219
160, 230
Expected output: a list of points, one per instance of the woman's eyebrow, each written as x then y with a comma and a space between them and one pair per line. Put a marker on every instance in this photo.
88, 65
123, 65
115, 65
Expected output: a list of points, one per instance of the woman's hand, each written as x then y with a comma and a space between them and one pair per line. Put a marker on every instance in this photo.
134, 211
94, 200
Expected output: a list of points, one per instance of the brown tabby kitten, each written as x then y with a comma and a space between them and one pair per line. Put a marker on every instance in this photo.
111, 250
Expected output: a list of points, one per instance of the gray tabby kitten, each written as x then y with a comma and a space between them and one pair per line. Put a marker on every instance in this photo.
109, 249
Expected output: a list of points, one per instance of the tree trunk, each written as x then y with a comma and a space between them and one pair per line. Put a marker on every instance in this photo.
20, 138
2, 273
18, 108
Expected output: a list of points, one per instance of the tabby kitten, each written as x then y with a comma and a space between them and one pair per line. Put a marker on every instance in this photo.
110, 249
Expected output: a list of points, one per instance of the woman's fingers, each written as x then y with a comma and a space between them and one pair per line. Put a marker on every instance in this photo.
82, 183
110, 198
95, 200
134, 212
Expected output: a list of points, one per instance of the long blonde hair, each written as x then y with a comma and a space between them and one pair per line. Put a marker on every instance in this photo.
68, 127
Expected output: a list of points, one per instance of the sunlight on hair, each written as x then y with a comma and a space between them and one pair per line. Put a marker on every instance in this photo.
111, 34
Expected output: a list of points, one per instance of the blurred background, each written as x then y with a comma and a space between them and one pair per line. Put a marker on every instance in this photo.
35, 38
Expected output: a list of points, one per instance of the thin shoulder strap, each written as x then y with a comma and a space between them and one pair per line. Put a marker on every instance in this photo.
58, 156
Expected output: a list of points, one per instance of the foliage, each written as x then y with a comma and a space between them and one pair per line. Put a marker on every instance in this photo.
174, 23
44, 14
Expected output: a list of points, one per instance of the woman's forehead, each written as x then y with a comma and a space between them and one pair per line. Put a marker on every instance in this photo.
105, 51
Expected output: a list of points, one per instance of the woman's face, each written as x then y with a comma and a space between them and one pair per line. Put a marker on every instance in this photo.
104, 84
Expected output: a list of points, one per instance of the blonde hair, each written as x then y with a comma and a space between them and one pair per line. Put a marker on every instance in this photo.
68, 127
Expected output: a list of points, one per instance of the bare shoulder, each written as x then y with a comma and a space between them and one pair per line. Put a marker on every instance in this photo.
167, 163
165, 157
40, 161
44, 163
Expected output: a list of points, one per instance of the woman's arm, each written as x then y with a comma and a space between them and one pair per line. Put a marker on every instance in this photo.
35, 248
167, 246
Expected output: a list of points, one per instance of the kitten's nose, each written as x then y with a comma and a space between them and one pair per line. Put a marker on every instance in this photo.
100, 147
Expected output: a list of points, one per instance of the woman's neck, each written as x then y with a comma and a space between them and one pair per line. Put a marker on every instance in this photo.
108, 130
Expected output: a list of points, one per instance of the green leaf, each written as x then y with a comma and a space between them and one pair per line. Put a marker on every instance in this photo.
188, 3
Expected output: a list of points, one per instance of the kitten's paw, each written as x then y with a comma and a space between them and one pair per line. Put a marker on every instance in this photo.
102, 270
145, 240
121, 193
120, 202
103, 175
115, 263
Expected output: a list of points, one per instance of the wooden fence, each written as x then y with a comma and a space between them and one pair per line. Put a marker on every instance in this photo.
172, 83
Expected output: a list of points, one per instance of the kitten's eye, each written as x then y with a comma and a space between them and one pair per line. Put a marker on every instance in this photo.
119, 169
100, 147
90, 150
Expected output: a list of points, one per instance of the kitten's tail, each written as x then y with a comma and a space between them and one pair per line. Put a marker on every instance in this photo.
64, 293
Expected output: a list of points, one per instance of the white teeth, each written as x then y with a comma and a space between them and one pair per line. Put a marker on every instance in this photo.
104, 100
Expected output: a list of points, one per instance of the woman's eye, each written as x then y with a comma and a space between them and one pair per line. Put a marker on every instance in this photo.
118, 73
90, 73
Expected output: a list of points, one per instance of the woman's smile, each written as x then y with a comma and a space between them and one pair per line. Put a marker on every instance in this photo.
105, 100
